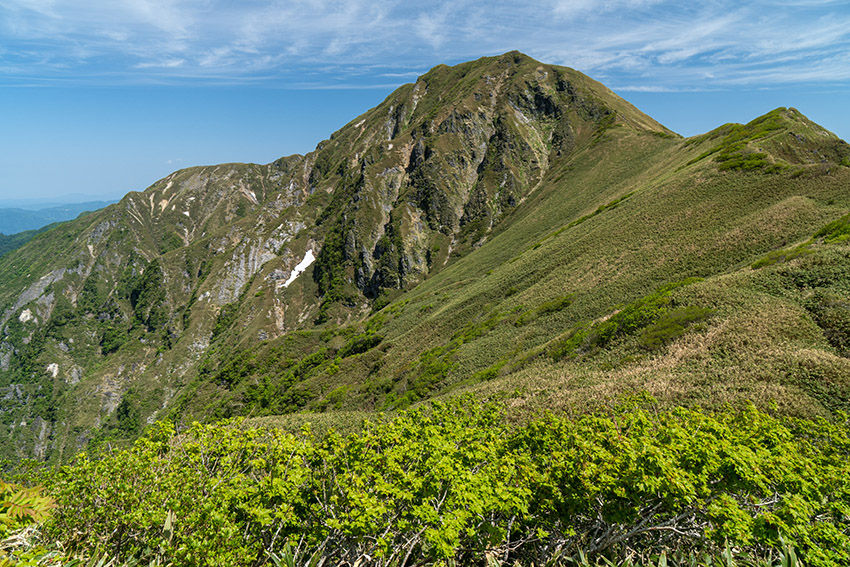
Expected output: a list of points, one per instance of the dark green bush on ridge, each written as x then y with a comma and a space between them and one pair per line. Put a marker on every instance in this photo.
587, 338
456, 482
671, 325
835, 231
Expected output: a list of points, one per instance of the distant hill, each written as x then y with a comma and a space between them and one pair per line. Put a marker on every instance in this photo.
15, 220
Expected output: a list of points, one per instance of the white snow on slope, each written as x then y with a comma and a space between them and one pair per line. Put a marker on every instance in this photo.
299, 269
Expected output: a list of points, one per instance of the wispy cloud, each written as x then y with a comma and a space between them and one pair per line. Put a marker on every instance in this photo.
641, 43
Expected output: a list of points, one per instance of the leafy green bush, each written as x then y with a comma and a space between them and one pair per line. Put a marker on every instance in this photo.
835, 231
671, 326
360, 344
551, 306
785, 255
584, 339
225, 318
21, 506
457, 483
732, 151
113, 338
21, 509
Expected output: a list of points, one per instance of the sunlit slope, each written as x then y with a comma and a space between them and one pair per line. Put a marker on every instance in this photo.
501, 226
625, 216
107, 319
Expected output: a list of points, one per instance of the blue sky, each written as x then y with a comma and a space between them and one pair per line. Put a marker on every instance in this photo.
104, 97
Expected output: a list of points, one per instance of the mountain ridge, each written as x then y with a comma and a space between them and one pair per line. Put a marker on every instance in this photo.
465, 230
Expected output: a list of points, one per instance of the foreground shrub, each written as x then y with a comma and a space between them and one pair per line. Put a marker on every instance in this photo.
21, 508
455, 483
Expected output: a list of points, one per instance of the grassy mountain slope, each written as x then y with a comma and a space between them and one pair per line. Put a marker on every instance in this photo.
499, 226
9, 242
585, 248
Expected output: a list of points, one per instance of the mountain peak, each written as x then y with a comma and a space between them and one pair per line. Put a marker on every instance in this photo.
780, 139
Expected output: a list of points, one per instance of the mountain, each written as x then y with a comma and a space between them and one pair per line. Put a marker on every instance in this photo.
502, 226
11, 241
15, 220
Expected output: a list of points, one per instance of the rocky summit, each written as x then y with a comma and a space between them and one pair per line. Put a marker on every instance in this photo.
501, 227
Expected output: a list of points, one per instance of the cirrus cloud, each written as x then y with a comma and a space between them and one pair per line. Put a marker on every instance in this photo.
642, 43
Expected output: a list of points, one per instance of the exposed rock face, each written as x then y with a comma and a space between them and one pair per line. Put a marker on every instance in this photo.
209, 252
435, 169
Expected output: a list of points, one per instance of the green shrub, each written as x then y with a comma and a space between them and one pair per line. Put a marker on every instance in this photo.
835, 231
551, 306
360, 344
585, 339
456, 482
671, 326
20, 507
785, 255
225, 318
733, 153
831, 311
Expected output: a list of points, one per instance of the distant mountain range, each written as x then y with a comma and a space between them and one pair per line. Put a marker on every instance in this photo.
15, 220
501, 227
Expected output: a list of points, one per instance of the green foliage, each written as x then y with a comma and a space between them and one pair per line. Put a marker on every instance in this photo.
128, 417
21, 506
779, 256
835, 231
360, 343
9, 242
489, 373
225, 318
585, 339
146, 293
671, 325
90, 297
435, 365
551, 306
455, 483
733, 153
169, 241
742, 161
831, 311
113, 338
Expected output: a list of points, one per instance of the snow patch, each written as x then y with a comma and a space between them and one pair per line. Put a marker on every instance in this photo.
26, 315
250, 195
299, 269
187, 213
53, 368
